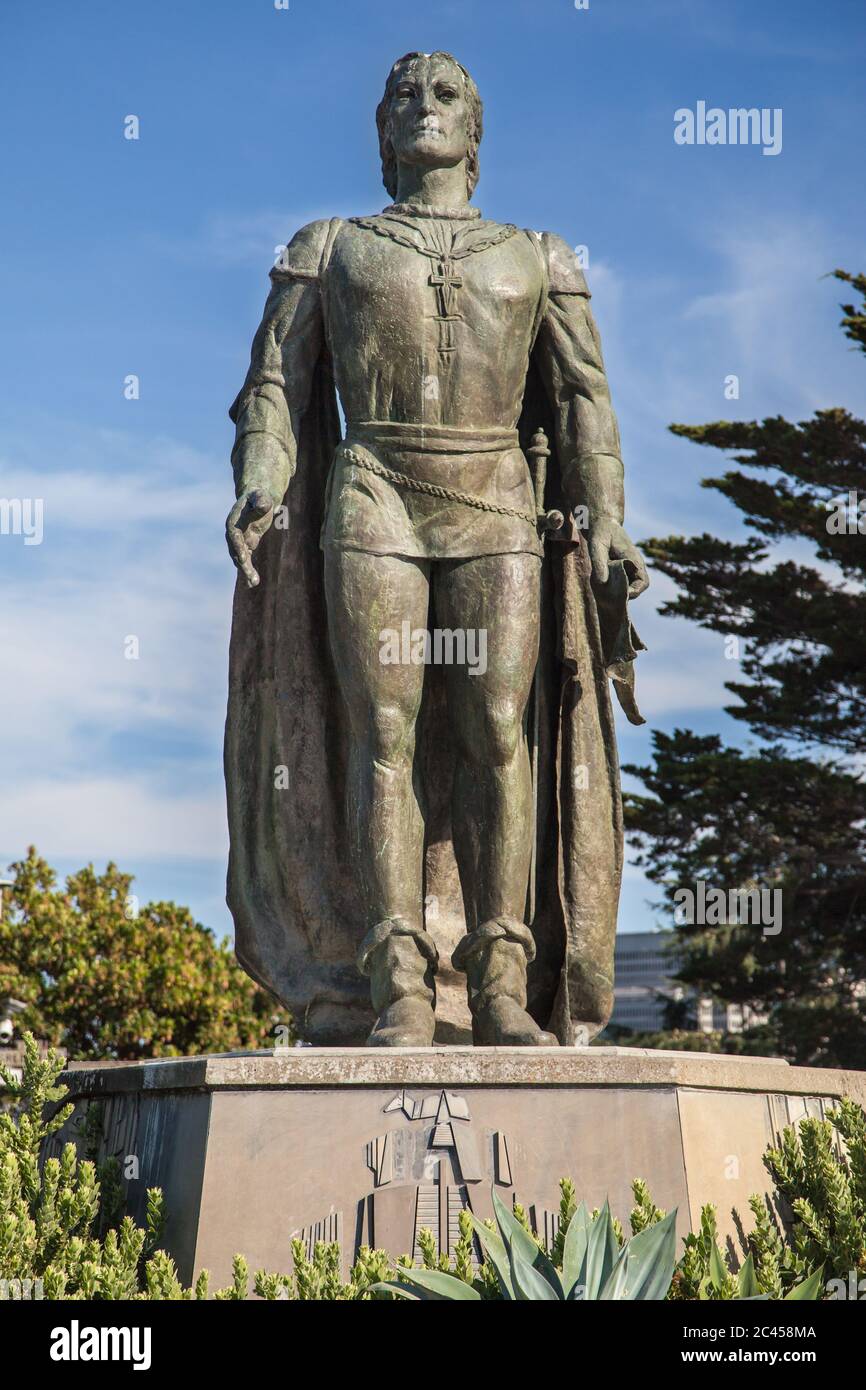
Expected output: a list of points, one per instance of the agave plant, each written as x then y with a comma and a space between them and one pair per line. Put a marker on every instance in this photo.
594, 1266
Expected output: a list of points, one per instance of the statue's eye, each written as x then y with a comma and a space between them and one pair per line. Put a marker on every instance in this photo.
446, 94
405, 92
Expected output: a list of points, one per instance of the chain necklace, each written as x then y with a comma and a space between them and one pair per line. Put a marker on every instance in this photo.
444, 278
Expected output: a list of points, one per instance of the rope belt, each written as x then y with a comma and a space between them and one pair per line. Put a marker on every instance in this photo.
447, 494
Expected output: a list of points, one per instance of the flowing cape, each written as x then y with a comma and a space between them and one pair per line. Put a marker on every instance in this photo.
297, 915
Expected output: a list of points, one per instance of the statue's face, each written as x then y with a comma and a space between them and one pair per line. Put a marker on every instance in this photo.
430, 120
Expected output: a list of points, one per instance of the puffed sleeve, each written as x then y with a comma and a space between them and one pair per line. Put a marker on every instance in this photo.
568, 354
268, 409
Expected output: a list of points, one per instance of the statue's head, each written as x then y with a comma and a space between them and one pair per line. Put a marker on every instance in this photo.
431, 114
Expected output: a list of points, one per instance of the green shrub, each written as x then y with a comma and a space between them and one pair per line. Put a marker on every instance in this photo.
819, 1169
590, 1260
63, 1234
50, 1215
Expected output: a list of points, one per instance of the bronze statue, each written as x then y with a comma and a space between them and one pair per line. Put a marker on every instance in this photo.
377, 796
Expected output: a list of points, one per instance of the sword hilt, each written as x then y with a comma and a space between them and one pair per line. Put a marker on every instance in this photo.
539, 453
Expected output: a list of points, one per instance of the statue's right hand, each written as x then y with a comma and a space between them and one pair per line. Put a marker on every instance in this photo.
246, 523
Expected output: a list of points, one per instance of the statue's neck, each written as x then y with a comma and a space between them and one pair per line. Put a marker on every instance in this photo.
438, 188
467, 213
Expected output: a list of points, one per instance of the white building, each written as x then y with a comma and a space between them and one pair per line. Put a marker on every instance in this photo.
645, 965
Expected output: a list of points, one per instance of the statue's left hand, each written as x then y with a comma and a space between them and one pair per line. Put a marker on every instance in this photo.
608, 541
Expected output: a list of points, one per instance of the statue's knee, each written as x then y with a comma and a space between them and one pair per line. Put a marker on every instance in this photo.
390, 734
493, 738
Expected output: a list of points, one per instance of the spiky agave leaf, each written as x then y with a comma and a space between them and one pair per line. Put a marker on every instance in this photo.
434, 1283
399, 1291
809, 1290
494, 1248
601, 1252
512, 1232
574, 1247
529, 1283
747, 1281
645, 1266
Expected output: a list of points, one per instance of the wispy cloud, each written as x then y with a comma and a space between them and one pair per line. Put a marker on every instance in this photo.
109, 752
232, 239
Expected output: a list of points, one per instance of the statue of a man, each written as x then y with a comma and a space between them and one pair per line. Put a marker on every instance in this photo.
374, 794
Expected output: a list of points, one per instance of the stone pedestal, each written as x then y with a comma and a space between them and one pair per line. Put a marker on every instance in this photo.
367, 1146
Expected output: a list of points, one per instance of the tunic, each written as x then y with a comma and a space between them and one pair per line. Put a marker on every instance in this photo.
429, 322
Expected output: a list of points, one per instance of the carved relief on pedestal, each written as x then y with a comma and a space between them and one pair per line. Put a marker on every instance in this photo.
425, 1172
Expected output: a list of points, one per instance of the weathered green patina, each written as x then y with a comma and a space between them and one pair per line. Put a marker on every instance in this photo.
375, 798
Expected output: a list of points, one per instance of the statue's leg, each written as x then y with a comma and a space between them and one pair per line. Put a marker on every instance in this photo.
496, 597
369, 599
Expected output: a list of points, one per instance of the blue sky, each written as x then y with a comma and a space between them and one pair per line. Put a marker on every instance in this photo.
151, 256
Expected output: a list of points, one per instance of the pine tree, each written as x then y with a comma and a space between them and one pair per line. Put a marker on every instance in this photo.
791, 815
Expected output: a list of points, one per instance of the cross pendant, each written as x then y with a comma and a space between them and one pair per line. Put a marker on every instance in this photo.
446, 283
